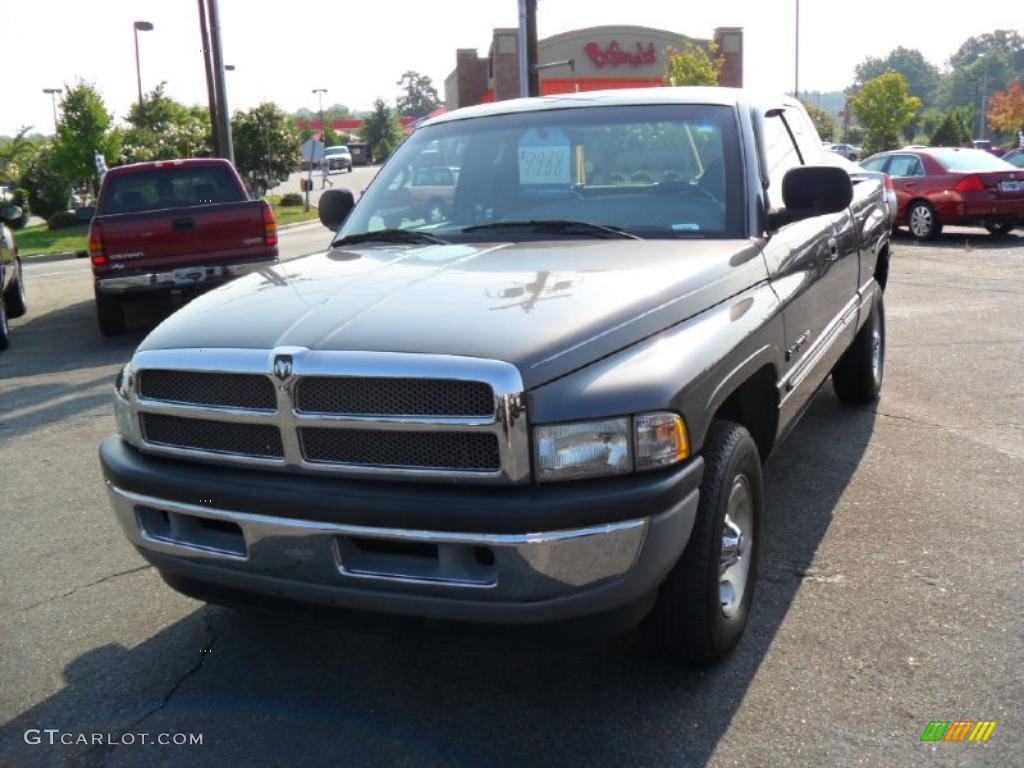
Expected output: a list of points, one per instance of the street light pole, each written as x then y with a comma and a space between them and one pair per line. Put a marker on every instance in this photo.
53, 99
211, 87
312, 148
140, 26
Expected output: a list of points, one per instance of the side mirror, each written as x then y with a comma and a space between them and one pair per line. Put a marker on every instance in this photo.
334, 207
812, 190
11, 214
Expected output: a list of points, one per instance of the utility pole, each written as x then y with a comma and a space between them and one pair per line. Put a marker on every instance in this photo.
211, 88
312, 147
529, 77
228, 149
796, 55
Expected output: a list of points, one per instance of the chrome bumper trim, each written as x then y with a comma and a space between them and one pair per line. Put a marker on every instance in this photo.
526, 567
207, 273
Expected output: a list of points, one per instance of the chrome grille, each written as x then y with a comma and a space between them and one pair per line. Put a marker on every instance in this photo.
362, 414
215, 436
474, 451
231, 390
362, 396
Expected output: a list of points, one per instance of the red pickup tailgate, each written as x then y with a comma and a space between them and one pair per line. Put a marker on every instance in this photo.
202, 234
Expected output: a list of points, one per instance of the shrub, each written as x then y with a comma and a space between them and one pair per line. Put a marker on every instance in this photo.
47, 189
291, 199
952, 132
62, 220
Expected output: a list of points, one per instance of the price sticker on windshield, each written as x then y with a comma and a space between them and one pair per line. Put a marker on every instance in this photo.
545, 163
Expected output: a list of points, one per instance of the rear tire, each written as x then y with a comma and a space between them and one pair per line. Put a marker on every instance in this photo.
110, 314
858, 375
999, 228
5, 329
923, 222
14, 296
703, 604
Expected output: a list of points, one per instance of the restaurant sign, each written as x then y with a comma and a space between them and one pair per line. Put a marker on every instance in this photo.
614, 55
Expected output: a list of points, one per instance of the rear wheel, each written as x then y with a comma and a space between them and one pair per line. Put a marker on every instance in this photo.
14, 296
703, 604
999, 228
922, 221
110, 314
5, 329
858, 375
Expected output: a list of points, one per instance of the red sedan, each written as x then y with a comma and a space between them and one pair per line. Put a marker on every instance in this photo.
947, 185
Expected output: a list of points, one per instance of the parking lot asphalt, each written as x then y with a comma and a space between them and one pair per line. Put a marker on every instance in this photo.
890, 591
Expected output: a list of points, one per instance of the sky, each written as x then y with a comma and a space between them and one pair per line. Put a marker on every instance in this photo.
358, 50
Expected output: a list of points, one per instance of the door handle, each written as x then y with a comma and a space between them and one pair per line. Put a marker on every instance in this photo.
831, 249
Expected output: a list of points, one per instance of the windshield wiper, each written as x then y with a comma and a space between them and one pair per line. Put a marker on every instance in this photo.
558, 227
390, 236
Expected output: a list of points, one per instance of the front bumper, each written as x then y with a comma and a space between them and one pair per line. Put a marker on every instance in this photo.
429, 559
205, 275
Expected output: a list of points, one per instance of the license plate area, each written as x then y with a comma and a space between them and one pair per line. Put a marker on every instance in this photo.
1011, 186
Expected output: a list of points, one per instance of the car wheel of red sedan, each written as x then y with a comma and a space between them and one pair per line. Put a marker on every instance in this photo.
999, 228
923, 222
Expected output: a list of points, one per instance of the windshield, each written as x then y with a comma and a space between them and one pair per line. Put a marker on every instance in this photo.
970, 160
660, 171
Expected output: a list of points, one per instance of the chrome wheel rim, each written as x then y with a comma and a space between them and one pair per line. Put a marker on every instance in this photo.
921, 221
737, 540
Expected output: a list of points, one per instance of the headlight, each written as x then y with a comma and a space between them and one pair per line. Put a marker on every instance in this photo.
610, 446
123, 385
660, 440
585, 449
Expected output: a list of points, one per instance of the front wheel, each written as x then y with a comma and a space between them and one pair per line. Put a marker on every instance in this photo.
923, 221
858, 375
999, 228
5, 329
703, 604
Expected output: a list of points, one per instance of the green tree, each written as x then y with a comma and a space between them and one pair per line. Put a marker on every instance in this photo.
823, 122
952, 132
165, 129
922, 76
48, 189
883, 106
382, 131
266, 143
693, 65
16, 152
419, 95
83, 129
1006, 41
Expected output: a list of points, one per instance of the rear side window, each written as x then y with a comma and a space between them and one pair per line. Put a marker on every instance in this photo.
903, 166
875, 163
163, 188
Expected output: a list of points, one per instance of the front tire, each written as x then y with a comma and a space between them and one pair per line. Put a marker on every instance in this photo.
858, 375
703, 604
5, 328
14, 296
923, 222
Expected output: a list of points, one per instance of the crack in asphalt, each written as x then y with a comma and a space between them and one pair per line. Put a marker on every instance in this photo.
211, 638
86, 586
934, 425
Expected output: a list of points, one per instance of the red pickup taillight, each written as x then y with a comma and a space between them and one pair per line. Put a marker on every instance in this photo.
269, 226
887, 183
96, 255
970, 184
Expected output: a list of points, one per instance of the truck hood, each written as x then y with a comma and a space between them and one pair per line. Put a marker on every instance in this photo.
546, 307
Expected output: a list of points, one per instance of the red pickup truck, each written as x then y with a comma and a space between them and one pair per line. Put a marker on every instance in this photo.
175, 225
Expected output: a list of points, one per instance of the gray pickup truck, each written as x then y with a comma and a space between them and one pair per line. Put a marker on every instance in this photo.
549, 403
